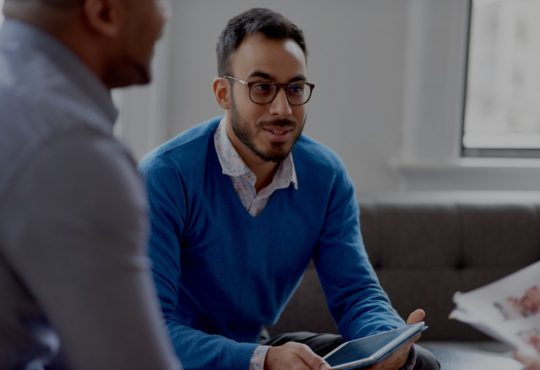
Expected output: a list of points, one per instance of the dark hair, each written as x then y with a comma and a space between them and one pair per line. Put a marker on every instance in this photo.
271, 24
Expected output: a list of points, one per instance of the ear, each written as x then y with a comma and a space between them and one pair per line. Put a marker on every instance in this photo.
104, 16
221, 92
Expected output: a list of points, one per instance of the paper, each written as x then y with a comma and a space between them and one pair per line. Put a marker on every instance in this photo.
507, 309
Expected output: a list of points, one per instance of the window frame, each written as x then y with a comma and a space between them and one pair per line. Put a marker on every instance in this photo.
430, 155
484, 152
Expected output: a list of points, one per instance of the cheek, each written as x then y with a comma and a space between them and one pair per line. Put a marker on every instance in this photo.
299, 114
250, 113
154, 20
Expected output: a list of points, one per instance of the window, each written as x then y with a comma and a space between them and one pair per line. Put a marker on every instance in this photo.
431, 153
502, 104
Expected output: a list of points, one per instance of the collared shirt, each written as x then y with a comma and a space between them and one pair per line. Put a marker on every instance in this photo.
244, 179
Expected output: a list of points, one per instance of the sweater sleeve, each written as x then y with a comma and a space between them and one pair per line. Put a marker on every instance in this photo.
355, 298
169, 211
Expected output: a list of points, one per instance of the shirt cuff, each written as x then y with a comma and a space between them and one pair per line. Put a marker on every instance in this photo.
257, 360
411, 360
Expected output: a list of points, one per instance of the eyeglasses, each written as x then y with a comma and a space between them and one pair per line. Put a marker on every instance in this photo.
298, 93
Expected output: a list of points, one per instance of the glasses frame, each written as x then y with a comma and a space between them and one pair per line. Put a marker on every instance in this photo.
278, 87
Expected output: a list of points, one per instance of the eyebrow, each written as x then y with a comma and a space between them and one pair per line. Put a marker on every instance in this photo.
267, 76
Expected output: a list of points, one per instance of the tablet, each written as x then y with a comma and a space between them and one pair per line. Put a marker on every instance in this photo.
371, 350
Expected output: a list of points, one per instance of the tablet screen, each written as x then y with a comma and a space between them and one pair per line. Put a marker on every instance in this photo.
369, 350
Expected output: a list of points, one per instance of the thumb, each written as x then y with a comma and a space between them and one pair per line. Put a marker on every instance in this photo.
416, 316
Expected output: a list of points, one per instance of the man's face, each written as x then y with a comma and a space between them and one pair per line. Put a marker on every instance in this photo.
143, 27
269, 131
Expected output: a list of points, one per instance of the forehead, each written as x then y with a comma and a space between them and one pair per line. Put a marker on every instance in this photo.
281, 59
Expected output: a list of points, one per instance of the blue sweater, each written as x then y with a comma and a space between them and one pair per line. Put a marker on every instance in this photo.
222, 274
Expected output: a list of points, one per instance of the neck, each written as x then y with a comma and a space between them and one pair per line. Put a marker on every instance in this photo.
264, 175
263, 170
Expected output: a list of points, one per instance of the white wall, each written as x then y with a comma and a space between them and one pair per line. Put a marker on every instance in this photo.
389, 93
357, 53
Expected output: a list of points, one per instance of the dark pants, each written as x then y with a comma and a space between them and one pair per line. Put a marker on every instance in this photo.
321, 344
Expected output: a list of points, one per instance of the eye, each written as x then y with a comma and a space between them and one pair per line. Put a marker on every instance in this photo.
263, 88
296, 88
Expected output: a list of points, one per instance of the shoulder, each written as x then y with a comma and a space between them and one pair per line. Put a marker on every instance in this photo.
312, 155
184, 151
90, 161
180, 163
321, 172
84, 174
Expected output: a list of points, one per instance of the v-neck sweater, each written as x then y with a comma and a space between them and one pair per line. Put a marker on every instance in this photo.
222, 275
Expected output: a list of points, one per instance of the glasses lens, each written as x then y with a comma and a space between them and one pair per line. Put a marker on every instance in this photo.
263, 92
298, 93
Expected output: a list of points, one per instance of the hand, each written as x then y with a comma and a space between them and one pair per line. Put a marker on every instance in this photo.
397, 359
529, 303
530, 362
293, 356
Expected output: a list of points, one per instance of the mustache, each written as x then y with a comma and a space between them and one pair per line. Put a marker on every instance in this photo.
278, 123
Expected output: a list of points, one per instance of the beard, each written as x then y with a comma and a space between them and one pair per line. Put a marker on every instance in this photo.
127, 74
242, 131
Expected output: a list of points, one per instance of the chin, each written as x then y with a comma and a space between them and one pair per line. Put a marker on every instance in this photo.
144, 76
128, 76
275, 155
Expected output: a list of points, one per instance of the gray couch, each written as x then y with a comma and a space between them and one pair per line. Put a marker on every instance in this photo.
427, 246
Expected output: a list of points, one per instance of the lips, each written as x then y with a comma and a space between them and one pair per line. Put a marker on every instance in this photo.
278, 134
278, 131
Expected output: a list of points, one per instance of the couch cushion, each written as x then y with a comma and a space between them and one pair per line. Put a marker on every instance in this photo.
426, 246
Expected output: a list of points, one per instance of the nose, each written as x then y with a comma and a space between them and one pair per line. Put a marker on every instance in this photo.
280, 106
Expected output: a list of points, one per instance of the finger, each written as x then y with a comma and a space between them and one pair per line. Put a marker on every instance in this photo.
535, 341
311, 359
522, 358
518, 356
414, 339
393, 362
416, 316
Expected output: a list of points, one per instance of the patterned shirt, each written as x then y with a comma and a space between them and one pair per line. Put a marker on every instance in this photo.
244, 179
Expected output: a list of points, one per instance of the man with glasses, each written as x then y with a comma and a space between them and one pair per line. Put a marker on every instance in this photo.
241, 203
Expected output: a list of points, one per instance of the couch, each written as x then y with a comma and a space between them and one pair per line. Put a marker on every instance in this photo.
424, 248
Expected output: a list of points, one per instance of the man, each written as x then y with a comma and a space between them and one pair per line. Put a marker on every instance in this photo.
73, 272
235, 225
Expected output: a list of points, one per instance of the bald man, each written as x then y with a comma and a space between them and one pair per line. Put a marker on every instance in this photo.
74, 277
